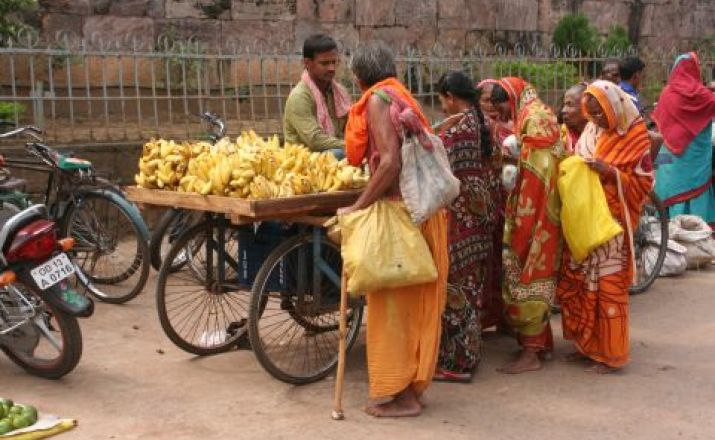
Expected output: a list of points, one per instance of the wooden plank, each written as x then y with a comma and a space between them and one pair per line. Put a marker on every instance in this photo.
241, 209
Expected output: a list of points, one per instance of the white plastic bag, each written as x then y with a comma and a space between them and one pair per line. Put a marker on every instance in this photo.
695, 235
426, 180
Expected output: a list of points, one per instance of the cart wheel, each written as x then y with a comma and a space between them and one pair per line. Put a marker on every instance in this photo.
199, 314
293, 327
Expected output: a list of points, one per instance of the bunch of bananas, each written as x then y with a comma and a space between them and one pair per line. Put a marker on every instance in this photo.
251, 168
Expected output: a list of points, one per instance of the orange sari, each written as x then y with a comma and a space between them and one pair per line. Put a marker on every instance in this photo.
532, 234
403, 325
594, 293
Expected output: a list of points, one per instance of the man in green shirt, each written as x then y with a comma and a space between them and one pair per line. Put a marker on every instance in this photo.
317, 107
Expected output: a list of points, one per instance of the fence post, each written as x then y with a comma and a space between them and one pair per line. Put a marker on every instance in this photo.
38, 108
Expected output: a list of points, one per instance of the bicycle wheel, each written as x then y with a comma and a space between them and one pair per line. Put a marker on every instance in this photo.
293, 327
197, 312
172, 224
650, 243
111, 245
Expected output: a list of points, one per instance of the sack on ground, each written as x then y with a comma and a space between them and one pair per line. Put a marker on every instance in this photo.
675, 262
383, 249
426, 180
586, 221
695, 236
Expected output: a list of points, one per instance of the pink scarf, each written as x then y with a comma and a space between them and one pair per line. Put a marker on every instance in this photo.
341, 99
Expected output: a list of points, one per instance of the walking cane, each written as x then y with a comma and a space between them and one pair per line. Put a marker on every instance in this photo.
342, 348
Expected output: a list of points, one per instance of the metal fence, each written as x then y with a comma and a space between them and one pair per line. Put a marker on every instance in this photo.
122, 93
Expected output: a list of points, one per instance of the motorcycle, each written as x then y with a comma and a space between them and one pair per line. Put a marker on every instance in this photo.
39, 307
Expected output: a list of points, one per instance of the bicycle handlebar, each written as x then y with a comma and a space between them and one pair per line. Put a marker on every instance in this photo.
29, 129
216, 121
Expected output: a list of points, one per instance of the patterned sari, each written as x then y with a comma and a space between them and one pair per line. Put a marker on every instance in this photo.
474, 274
594, 294
532, 234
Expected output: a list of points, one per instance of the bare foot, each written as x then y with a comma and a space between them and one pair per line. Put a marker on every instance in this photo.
602, 369
576, 356
405, 404
528, 361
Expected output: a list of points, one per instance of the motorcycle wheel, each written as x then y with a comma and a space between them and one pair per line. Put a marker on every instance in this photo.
50, 330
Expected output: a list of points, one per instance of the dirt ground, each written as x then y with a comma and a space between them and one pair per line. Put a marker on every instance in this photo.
132, 383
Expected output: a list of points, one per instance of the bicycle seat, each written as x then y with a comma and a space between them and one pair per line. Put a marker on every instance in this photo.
13, 184
71, 163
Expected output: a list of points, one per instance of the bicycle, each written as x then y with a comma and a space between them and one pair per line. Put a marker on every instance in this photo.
176, 221
111, 250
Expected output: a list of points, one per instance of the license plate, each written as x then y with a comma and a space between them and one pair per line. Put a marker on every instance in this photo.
53, 271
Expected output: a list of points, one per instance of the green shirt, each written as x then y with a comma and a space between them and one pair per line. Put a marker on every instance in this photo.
300, 121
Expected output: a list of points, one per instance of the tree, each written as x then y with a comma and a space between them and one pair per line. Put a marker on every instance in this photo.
575, 31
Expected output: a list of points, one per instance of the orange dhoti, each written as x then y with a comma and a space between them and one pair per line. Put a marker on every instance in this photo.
404, 325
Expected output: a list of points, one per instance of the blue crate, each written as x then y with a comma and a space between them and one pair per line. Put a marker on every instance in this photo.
254, 246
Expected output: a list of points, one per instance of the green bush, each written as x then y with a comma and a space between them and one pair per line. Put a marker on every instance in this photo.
543, 76
617, 40
575, 31
9, 109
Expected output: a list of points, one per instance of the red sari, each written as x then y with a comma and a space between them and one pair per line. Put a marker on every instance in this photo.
532, 234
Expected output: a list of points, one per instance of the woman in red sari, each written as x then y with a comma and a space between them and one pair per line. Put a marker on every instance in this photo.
532, 234
594, 293
474, 273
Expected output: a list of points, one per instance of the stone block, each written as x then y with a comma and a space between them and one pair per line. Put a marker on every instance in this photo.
517, 15
258, 34
54, 24
344, 34
207, 32
603, 15
134, 8
264, 9
398, 37
452, 14
119, 29
375, 12
453, 41
334, 11
416, 12
183, 9
482, 14
79, 7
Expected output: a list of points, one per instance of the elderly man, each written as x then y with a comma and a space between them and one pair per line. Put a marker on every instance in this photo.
403, 326
317, 107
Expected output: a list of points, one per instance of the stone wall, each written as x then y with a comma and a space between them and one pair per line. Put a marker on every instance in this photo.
455, 24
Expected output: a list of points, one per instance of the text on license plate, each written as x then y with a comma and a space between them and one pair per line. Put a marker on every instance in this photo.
53, 271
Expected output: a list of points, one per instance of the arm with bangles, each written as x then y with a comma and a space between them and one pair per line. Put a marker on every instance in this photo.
388, 144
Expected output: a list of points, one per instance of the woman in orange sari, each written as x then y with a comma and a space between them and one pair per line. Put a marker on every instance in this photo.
403, 324
594, 294
532, 234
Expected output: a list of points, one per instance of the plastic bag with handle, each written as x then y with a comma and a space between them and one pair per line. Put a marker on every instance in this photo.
382, 249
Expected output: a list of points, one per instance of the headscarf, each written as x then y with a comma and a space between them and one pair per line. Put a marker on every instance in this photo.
500, 129
686, 106
534, 123
341, 100
357, 130
621, 113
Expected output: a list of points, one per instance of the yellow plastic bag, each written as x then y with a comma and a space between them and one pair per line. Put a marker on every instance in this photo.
586, 221
383, 249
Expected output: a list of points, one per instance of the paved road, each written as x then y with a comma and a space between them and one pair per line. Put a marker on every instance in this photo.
125, 389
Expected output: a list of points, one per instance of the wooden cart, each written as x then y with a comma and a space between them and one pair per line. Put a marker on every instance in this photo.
257, 271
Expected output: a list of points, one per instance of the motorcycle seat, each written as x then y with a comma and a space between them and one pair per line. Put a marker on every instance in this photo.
16, 221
